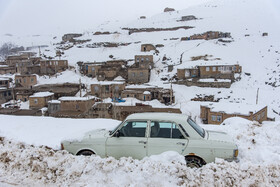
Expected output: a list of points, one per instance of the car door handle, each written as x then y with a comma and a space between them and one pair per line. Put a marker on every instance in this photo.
180, 143
144, 142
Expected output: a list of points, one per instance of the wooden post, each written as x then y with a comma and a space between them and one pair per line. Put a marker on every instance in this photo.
257, 98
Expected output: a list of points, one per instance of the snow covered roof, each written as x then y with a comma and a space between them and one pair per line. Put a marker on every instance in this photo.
76, 98
194, 64
3, 66
147, 92
119, 78
4, 78
234, 108
141, 86
42, 94
213, 80
108, 82
54, 101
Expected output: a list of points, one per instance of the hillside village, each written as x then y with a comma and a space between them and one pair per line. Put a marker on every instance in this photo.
117, 86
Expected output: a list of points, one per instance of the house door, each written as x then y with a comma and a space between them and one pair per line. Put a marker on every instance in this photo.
187, 73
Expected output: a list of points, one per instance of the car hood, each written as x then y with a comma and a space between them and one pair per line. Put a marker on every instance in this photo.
98, 133
219, 136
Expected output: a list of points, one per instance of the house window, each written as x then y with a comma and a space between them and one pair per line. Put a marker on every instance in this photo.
35, 101
142, 59
220, 68
141, 74
259, 117
77, 106
137, 59
107, 88
213, 68
116, 88
32, 79
213, 117
219, 118
207, 68
24, 80
96, 88
262, 114
234, 68
133, 74
147, 59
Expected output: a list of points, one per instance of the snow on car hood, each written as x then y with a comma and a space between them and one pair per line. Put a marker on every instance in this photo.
219, 136
98, 133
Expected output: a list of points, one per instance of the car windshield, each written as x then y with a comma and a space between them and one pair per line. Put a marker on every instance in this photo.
197, 128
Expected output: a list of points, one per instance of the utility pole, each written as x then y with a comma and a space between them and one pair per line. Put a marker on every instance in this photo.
257, 98
80, 86
171, 94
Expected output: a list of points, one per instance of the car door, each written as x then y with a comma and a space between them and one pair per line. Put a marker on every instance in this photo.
165, 136
129, 140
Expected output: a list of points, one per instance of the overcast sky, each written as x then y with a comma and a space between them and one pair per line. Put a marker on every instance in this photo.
21, 17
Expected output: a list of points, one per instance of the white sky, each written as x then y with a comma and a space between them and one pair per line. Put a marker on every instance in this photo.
24, 17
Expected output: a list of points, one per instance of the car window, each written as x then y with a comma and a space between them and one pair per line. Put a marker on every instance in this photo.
133, 129
197, 128
165, 130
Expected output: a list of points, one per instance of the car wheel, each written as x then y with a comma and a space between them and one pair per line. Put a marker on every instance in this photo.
194, 162
85, 153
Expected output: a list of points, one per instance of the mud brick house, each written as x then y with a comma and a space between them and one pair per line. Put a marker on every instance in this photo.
146, 93
120, 112
40, 99
90, 68
5, 69
5, 82
209, 70
5, 95
30, 66
23, 94
144, 61
209, 35
26, 81
216, 113
13, 60
50, 67
147, 47
138, 75
107, 89
59, 90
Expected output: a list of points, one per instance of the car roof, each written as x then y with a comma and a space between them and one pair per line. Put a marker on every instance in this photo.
157, 116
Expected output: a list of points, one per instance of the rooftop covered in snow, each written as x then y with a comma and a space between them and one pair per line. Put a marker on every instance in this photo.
42, 94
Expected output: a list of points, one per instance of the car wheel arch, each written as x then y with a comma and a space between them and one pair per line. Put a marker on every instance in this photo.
202, 161
85, 150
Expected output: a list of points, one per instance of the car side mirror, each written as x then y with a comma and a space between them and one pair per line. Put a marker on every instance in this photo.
117, 134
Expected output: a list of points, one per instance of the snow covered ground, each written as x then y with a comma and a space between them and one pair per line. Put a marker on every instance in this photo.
29, 156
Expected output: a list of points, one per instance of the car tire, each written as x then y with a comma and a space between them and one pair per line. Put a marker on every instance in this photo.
194, 162
85, 153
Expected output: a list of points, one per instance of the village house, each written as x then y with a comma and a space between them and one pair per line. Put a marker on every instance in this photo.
70, 37
5, 69
107, 89
23, 94
13, 60
51, 67
144, 61
188, 18
40, 100
59, 90
147, 47
5, 95
138, 75
147, 93
209, 35
53, 106
30, 66
90, 68
216, 113
120, 112
26, 81
5, 82
209, 70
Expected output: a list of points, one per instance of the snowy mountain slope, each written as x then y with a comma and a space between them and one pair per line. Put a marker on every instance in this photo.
258, 55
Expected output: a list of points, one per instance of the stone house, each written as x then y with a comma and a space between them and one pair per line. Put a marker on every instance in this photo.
138, 75
188, 18
40, 99
216, 113
144, 61
5, 82
107, 89
5, 69
5, 95
13, 60
51, 67
23, 94
90, 68
147, 47
209, 71
138, 94
26, 81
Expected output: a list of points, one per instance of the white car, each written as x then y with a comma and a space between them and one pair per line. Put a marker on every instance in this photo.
145, 134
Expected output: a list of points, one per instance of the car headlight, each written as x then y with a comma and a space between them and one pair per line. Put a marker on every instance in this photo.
235, 152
